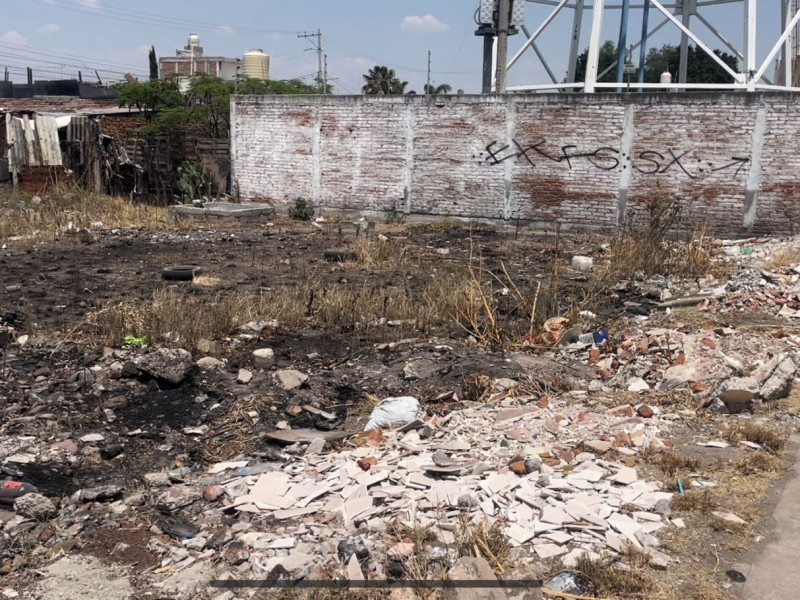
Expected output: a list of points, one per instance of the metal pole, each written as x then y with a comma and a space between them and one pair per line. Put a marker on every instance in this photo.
686, 20
786, 19
325, 74
504, 7
593, 58
319, 55
623, 42
428, 84
643, 48
574, 50
750, 12
488, 50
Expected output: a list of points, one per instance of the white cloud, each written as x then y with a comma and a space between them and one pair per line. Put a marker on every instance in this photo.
225, 30
49, 29
14, 37
425, 24
90, 2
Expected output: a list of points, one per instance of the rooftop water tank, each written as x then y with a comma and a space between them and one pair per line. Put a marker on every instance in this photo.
666, 78
194, 40
255, 65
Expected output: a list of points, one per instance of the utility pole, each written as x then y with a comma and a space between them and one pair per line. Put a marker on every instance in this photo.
238, 71
320, 53
325, 75
503, 17
428, 84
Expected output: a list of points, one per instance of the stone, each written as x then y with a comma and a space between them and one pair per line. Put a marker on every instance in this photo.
263, 358
212, 493
779, 383
473, 569
645, 411
206, 346
423, 368
291, 379
637, 384
35, 506
101, 493
208, 362
677, 376
658, 560
582, 263
244, 377
171, 366
354, 572
235, 553
93, 437
598, 446
367, 463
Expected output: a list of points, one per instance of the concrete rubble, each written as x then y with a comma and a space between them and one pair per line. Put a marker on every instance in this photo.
556, 469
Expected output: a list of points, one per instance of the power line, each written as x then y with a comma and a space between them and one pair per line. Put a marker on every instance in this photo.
395, 65
139, 17
49, 54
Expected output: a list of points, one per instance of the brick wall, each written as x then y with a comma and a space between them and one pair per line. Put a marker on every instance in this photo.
584, 160
55, 103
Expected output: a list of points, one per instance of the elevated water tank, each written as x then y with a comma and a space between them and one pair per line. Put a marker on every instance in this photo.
255, 65
666, 78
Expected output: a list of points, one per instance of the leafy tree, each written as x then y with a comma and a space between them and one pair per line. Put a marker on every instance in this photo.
700, 67
153, 63
150, 96
435, 90
383, 80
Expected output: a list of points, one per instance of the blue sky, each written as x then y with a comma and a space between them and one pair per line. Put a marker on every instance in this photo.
60, 36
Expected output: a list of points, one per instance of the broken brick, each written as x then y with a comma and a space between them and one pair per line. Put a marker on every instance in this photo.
367, 463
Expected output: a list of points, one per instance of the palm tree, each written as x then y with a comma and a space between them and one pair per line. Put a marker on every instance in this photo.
383, 80
432, 90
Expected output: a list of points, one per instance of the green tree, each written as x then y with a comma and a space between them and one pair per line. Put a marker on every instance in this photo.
435, 90
382, 80
153, 63
150, 96
700, 67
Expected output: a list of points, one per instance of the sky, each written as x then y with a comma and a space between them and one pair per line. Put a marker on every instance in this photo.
58, 37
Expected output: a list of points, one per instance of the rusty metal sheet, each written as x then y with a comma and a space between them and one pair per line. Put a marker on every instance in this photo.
34, 143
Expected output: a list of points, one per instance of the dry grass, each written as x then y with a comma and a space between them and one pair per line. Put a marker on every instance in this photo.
609, 581
784, 259
650, 244
672, 463
770, 439
207, 281
379, 255
760, 462
694, 501
723, 525
487, 541
20, 216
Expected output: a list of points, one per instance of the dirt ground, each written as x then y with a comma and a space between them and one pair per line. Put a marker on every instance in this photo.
54, 289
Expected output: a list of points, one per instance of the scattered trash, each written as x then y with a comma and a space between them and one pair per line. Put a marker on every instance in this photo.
394, 411
566, 582
735, 576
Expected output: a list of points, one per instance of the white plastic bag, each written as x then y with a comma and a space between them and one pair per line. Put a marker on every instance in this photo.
402, 410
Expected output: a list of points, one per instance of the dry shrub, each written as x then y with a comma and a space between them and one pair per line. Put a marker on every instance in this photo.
768, 438
694, 501
476, 387
207, 281
784, 259
70, 204
672, 463
487, 541
723, 525
760, 462
607, 580
377, 254
650, 244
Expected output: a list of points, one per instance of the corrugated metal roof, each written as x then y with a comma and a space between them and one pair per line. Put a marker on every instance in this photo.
34, 142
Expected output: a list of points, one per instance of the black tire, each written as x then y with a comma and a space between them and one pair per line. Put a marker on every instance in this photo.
180, 273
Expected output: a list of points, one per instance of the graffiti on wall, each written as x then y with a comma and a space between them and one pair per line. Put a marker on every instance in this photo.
646, 162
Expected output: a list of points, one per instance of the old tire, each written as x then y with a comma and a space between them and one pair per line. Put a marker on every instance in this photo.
180, 273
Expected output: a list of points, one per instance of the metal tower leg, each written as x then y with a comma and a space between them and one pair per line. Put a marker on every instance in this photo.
594, 46
574, 50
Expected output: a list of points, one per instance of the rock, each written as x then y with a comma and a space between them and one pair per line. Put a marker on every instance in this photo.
212, 493
663, 508
221, 536
367, 463
779, 383
598, 446
101, 493
208, 362
35, 506
171, 366
582, 263
235, 553
348, 548
637, 384
658, 560
354, 572
263, 358
291, 379
112, 451
179, 496
679, 375
206, 346
420, 369
645, 411
738, 392
93, 437
478, 570
244, 377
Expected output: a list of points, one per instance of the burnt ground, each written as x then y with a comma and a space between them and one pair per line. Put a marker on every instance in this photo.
49, 288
